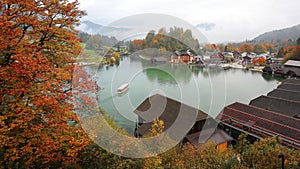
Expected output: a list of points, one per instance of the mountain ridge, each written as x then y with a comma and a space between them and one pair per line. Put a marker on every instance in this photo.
89, 27
292, 33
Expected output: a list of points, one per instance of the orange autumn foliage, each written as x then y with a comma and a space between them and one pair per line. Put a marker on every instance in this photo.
138, 44
247, 47
259, 61
38, 128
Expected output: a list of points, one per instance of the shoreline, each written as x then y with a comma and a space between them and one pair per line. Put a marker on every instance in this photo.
225, 66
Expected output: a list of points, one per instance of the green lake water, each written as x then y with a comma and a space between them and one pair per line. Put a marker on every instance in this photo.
209, 89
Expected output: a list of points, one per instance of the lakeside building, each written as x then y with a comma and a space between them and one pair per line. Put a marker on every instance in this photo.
186, 57
292, 64
168, 110
274, 60
290, 69
275, 115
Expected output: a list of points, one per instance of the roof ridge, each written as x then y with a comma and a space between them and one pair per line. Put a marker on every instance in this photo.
291, 83
280, 99
273, 133
269, 111
157, 94
268, 130
264, 119
285, 90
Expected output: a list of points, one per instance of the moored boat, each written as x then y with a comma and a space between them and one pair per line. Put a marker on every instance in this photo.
123, 88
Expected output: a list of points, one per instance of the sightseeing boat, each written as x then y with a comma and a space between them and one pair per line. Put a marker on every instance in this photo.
123, 88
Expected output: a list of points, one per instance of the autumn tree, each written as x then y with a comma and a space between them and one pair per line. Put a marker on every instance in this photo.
259, 61
247, 47
150, 37
291, 53
230, 48
264, 154
93, 156
176, 39
269, 47
209, 47
136, 45
259, 48
38, 128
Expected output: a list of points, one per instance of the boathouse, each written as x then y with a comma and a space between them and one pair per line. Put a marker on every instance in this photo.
168, 110
275, 115
290, 69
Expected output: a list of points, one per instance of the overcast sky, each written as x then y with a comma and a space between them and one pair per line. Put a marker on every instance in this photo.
218, 20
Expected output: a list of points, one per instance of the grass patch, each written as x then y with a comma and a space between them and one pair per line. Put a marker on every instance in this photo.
88, 55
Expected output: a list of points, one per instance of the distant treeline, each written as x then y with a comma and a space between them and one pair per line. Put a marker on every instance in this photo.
176, 39
277, 44
96, 42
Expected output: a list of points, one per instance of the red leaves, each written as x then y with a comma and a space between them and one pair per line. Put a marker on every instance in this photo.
247, 47
259, 61
37, 43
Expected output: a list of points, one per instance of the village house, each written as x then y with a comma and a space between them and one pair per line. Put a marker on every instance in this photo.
175, 58
198, 60
228, 54
292, 64
244, 54
252, 55
274, 60
217, 58
237, 55
186, 57
206, 56
168, 110
270, 69
290, 69
246, 60
262, 55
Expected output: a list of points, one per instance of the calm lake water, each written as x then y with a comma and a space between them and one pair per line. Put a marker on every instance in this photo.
209, 89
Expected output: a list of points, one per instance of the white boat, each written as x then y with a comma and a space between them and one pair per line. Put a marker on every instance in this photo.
123, 88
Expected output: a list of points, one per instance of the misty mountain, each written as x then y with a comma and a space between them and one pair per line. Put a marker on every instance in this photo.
292, 33
94, 28
89, 27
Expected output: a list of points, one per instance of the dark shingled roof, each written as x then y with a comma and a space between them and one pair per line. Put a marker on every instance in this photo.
286, 107
277, 124
289, 86
167, 110
292, 81
216, 135
270, 115
285, 94
271, 68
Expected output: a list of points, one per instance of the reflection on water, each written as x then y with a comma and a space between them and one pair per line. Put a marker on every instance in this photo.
159, 75
209, 89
